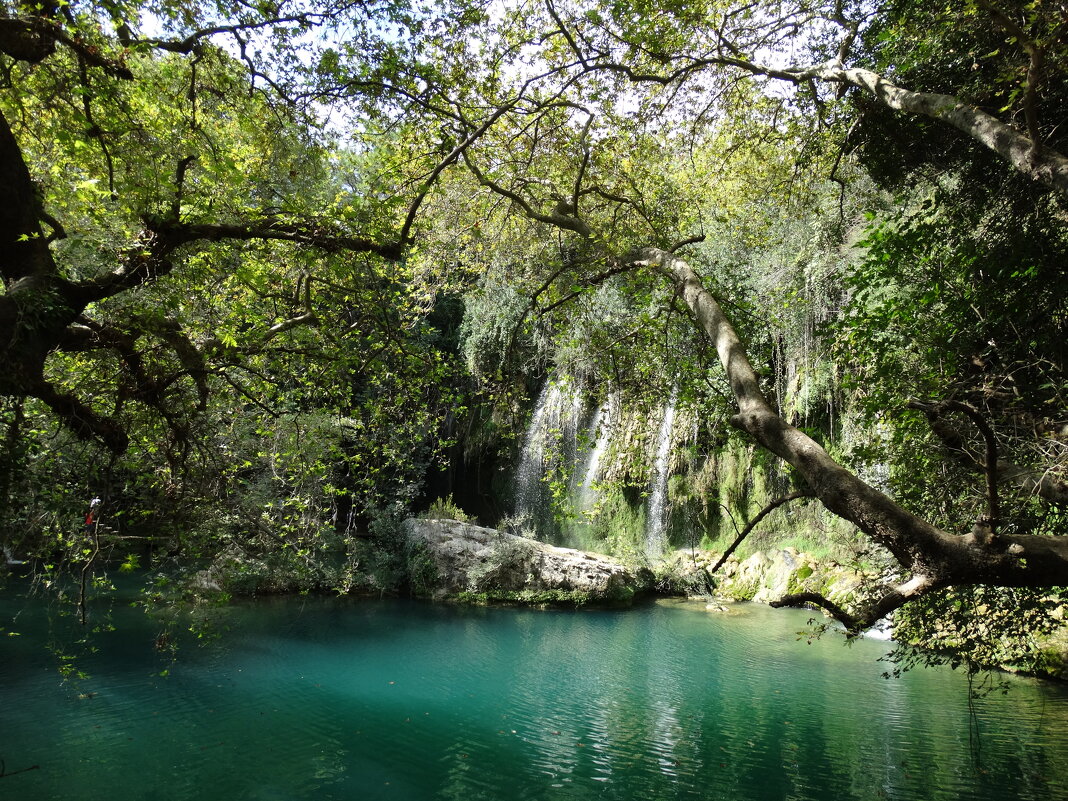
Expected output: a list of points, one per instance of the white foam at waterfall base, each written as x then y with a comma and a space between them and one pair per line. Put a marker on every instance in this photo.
655, 522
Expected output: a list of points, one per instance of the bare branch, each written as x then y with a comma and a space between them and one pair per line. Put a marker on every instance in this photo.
193, 40
1029, 480
150, 258
894, 598
460, 149
579, 54
556, 218
989, 465
690, 240
771, 507
799, 599
593, 280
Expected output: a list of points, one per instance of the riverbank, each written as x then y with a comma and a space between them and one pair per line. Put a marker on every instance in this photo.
453, 560
460, 562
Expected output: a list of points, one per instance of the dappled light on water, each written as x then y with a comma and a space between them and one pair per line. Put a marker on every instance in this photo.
334, 699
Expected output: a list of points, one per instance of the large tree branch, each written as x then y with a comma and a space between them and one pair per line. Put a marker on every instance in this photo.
925, 550
33, 39
866, 617
76, 415
151, 258
21, 40
319, 236
1021, 150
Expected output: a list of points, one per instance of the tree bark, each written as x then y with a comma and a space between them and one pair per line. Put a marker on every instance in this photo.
1020, 150
934, 557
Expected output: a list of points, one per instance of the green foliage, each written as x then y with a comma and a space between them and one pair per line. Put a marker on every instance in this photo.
446, 509
967, 51
938, 309
551, 598
282, 392
421, 572
980, 627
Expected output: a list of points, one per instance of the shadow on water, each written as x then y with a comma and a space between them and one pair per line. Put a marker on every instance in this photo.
333, 698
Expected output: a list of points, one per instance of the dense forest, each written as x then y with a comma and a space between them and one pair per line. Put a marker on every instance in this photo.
280, 275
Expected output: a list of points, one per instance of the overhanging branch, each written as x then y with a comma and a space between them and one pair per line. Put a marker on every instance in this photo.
937, 557
1020, 149
894, 598
745, 532
151, 258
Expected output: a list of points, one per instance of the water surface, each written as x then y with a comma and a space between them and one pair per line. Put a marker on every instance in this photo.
339, 699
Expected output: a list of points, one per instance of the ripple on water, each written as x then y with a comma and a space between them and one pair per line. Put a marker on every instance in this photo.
410, 701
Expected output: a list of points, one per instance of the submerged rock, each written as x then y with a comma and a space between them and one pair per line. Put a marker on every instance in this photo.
448, 558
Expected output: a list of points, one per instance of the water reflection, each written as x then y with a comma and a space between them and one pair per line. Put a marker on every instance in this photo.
393, 700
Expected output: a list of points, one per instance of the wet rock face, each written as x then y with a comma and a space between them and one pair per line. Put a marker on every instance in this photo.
766, 576
451, 558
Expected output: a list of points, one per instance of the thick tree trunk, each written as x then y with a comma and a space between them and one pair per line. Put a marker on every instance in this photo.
1017, 148
934, 557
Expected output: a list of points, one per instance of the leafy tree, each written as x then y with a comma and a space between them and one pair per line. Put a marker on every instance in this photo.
590, 144
201, 270
620, 73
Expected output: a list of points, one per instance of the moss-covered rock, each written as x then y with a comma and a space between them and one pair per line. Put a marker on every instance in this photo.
466, 562
763, 576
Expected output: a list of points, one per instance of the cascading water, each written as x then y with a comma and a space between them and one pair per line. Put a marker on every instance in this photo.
599, 434
528, 473
550, 440
655, 521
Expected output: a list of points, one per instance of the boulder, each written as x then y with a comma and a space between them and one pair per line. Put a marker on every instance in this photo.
449, 558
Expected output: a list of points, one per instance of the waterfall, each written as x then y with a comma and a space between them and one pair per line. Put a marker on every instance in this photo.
551, 440
532, 457
598, 436
655, 523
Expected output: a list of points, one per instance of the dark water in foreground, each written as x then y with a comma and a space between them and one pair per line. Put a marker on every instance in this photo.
331, 699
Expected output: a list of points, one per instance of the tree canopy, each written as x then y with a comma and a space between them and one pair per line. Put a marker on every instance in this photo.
241, 223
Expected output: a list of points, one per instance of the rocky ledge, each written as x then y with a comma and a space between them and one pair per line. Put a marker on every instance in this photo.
764, 576
448, 558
